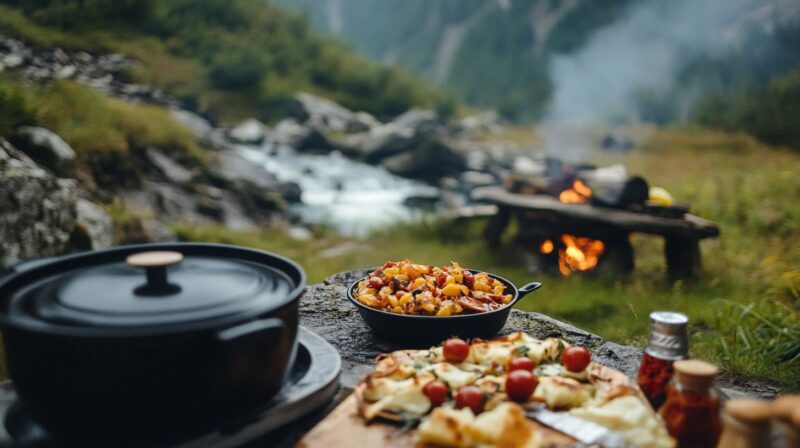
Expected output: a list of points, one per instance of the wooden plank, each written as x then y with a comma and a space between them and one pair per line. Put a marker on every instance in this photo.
691, 226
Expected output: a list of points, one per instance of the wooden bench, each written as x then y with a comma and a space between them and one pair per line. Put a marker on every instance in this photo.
682, 236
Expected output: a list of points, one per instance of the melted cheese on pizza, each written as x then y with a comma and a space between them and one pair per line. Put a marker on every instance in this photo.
560, 393
407, 398
452, 375
503, 426
631, 417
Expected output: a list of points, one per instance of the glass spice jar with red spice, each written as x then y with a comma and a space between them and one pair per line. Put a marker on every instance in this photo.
668, 343
691, 411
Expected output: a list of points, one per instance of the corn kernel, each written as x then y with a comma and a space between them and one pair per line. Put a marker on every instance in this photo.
405, 299
499, 290
507, 298
459, 278
452, 290
449, 280
397, 310
410, 271
391, 272
401, 277
445, 311
386, 290
419, 282
429, 307
464, 290
393, 301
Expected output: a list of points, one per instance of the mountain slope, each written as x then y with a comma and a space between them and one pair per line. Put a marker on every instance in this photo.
231, 59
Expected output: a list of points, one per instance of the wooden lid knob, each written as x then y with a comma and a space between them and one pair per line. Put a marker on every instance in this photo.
154, 259
749, 411
695, 373
784, 405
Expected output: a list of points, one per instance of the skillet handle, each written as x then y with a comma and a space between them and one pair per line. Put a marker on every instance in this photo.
527, 289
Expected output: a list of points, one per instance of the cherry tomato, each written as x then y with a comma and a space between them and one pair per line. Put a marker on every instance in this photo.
469, 279
455, 350
520, 363
375, 282
389, 264
575, 359
436, 392
520, 385
471, 397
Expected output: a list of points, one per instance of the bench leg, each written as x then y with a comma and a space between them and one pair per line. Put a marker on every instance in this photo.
683, 257
493, 232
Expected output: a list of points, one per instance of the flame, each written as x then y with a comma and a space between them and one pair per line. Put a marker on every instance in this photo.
579, 193
546, 247
579, 254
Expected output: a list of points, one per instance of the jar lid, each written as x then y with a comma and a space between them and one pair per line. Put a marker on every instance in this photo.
783, 406
150, 285
749, 411
695, 373
668, 338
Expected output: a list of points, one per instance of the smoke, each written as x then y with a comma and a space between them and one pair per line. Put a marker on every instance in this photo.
645, 51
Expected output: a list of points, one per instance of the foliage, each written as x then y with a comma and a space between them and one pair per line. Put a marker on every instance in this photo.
771, 112
204, 51
15, 108
108, 135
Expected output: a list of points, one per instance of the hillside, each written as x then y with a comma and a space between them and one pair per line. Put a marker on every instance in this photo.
229, 60
527, 57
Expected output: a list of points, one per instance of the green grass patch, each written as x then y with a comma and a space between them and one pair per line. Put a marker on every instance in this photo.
108, 135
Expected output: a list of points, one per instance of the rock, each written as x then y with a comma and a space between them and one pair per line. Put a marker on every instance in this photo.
248, 132
429, 161
37, 210
65, 72
329, 116
46, 148
93, 224
404, 133
290, 191
13, 60
488, 121
173, 171
472, 179
157, 232
199, 126
299, 233
288, 132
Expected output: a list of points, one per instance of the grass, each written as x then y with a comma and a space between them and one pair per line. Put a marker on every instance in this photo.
744, 311
107, 134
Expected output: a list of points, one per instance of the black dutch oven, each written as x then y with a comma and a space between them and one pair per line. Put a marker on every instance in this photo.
427, 330
138, 344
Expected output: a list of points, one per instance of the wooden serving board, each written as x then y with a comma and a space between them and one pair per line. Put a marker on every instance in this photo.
344, 428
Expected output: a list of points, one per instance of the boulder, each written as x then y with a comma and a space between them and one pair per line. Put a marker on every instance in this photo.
248, 132
158, 232
429, 161
171, 170
404, 133
329, 116
46, 148
37, 209
94, 227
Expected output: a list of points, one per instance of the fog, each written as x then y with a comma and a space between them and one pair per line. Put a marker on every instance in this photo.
646, 50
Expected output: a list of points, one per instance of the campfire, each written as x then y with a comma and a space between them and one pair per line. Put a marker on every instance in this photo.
578, 193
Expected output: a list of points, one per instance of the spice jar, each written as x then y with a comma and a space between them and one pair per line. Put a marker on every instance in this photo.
668, 343
691, 411
746, 424
782, 409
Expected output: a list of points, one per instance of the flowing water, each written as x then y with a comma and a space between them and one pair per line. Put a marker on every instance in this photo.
352, 197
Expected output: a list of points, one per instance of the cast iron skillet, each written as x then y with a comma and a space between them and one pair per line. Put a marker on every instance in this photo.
429, 330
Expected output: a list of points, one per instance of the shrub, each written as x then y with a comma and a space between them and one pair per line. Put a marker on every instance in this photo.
15, 108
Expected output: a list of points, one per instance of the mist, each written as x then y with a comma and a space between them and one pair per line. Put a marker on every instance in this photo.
645, 51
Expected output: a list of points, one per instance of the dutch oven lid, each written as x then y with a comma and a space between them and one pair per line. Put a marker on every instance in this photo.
158, 287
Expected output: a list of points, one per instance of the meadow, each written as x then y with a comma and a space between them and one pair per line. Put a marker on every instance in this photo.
744, 310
